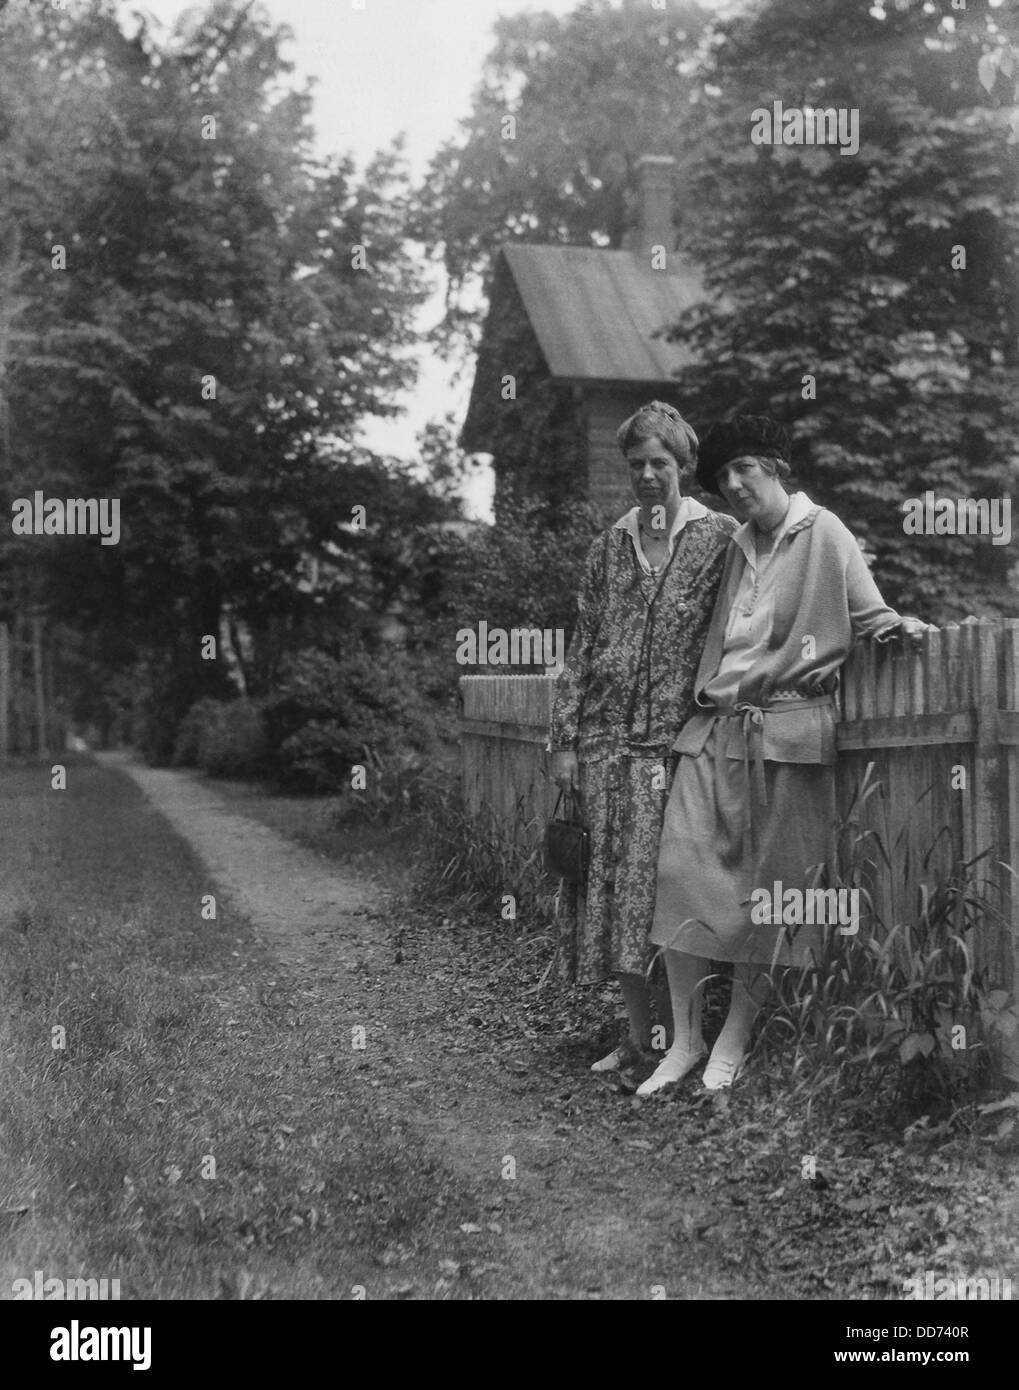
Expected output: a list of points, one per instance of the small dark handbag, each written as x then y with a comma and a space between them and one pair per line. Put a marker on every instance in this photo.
568, 842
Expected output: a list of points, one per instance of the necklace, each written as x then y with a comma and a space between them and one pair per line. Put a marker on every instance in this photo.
648, 540
652, 537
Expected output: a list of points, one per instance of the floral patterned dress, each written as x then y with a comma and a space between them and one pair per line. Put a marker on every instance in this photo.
625, 691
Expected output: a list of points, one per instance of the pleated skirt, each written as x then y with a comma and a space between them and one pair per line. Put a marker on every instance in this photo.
711, 860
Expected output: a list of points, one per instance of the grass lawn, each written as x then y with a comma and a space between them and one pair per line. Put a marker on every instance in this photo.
196, 1135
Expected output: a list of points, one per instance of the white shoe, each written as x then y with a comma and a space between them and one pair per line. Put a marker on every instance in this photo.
627, 1054
721, 1072
617, 1058
673, 1067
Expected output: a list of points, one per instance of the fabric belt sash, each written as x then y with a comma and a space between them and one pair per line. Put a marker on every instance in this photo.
738, 821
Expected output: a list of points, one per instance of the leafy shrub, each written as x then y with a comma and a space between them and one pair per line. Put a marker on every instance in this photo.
189, 730
233, 742
226, 738
155, 697
526, 571
366, 708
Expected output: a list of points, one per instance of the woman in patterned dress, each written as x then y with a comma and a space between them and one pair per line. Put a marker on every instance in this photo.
644, 606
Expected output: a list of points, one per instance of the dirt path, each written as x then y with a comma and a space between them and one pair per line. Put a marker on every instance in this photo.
292, 897
545, 1148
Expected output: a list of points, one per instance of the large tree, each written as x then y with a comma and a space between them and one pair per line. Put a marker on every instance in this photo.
870, 299
230, 310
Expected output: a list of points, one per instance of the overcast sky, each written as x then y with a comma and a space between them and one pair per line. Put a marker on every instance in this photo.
392, 66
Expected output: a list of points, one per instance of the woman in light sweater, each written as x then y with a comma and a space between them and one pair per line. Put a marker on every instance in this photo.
753, 799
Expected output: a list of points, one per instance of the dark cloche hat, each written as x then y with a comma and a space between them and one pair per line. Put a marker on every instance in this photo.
758, 435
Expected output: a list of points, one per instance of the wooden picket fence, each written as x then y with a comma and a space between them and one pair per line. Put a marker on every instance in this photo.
936, 725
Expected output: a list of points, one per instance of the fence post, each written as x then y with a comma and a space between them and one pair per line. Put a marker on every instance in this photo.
504, 729
1009, 803
41, 742
982, 659
5, 690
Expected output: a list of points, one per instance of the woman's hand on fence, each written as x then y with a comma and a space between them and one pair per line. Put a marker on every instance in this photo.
566, 771
911, 630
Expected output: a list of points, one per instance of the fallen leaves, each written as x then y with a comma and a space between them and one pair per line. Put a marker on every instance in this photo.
861, 1204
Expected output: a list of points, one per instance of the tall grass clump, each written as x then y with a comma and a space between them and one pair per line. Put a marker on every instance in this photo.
471, 864
908, 1009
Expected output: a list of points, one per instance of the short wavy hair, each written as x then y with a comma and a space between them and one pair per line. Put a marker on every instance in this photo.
656, 420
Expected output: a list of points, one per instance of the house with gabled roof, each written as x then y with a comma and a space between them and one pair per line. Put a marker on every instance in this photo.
572, 344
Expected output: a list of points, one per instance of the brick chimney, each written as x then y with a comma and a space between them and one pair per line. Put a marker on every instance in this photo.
656, 175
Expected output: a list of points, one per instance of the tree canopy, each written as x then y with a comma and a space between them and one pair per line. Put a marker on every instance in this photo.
871, 300
199, 313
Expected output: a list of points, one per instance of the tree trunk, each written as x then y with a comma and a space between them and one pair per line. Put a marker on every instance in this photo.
41, 741
5, 690
18, 685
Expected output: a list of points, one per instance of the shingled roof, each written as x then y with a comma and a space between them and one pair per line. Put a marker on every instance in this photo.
596, 313
598, 317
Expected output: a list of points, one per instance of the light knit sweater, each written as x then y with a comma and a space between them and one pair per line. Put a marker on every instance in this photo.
824, 593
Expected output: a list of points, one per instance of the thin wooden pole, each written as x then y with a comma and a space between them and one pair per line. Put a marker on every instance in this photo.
5, 690
18, 682
37, 681
1009, 703
55, 739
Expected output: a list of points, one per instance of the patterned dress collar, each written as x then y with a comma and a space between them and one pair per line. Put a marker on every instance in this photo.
688, 510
